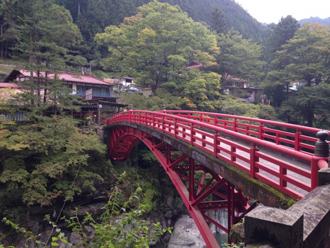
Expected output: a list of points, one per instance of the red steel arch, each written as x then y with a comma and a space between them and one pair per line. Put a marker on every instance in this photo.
200, 194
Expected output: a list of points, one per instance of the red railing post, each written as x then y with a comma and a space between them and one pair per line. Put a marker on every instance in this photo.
314, 172
297, 140
283, 172
232, 154
175, 127
253, 160
261, 130
163, 124
153, 120
235, 125
192, 134
215, 144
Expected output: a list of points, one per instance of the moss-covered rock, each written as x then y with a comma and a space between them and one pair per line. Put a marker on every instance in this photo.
237, 233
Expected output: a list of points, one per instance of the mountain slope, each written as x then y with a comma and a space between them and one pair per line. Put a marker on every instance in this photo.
92, 19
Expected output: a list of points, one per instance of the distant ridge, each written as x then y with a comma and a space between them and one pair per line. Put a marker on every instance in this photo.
318, 20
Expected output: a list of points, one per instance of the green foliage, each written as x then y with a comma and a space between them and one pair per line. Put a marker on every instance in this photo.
218, 23
46, 36
239, 58
41, 159
152, 103
235, 16
154, 45
310, 105
226, 245
306, 55
229, 105
120, 225
280, 34
304, 58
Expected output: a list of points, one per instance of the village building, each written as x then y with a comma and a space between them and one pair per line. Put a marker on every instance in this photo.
241, 88
98, 95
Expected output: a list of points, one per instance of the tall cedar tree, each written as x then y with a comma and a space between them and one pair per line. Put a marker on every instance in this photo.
280, 34
218, 22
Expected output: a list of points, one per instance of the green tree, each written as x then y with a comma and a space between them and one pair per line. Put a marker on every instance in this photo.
310, 105
218, 22
276, 86
155, 45
46, 36
40, 160
307, 55
304, 58
239, 57
45, 40
280, 34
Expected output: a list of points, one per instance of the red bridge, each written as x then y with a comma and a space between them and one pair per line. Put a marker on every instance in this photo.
235, 154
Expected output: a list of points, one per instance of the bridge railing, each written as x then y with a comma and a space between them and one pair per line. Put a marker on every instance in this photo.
298, 137
207, 134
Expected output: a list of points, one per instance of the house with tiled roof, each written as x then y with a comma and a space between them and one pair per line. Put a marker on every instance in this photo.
80, 84
97, 94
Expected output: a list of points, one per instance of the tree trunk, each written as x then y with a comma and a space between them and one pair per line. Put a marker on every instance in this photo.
1, 42
310, 117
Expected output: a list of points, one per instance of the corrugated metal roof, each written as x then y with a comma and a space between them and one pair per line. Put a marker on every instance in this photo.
68, 77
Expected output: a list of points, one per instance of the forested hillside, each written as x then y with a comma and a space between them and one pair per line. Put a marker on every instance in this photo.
235, 16
92, 16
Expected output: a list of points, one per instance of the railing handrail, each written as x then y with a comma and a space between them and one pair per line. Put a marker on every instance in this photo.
263, 121
300, 155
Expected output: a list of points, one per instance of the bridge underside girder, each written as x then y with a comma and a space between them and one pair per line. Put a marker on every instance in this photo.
201, 189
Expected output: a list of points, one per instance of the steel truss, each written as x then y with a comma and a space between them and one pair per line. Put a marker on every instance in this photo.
201, 189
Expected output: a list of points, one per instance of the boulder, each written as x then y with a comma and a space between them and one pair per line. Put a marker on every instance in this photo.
186, 234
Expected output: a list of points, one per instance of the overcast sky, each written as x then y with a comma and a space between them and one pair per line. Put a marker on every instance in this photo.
268, 11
